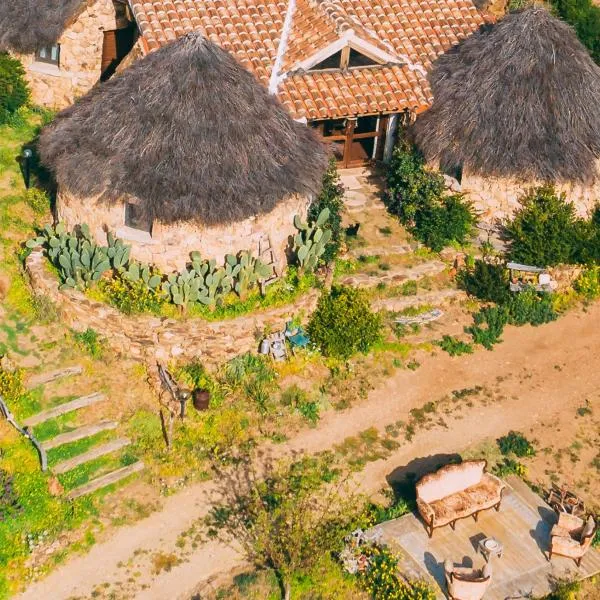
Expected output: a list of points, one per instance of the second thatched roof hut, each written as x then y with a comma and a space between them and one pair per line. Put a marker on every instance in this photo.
184, 151
515, 104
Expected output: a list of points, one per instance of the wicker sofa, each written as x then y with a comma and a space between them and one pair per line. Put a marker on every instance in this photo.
457, 491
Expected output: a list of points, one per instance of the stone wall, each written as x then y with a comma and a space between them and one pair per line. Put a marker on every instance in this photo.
155, 338
80, 57
497, 199
169, 246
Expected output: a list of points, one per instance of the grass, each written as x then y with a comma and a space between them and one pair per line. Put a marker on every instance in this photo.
53, 427
67, 451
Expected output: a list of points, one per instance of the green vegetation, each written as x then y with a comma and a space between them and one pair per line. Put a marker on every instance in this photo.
546, 231
331, 198
485, 281
90, 341
588, 283
383, 581
516, 443
287, 520
527, 307
584, 16
343, 323
14, 92
454, 346
417, 196
311, 241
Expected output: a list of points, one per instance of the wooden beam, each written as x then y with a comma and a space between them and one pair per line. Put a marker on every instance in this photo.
108, 479
50, 376
78, 434
62, 409
71, 463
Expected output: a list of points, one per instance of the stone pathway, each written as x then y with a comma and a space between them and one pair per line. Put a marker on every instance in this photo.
395, 275
438, 298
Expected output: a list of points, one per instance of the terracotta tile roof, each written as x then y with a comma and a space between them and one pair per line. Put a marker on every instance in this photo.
332, 94
409, 33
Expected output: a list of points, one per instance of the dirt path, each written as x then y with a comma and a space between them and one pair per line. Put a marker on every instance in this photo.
536, 374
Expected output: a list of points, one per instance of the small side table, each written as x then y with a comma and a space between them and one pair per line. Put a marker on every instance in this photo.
490, 546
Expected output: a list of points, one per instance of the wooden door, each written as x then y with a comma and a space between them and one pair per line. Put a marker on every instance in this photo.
116, 46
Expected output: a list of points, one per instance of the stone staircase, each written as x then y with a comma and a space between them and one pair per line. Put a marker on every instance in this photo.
104, 448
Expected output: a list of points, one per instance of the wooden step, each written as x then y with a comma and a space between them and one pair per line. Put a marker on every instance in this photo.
43, 378
104, 480
61, 409
71, 463
78, 434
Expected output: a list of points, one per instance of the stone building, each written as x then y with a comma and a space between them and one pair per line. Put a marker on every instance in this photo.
184, 151
516, 105
352, 69
66, 46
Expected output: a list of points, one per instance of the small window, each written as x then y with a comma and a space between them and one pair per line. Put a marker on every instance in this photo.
331, 62
357, 59
49, 54
135, 218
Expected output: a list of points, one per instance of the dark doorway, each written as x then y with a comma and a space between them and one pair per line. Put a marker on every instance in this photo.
354, 141
116, 46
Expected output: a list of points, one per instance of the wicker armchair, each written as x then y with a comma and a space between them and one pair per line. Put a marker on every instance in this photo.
572, 537
467, 584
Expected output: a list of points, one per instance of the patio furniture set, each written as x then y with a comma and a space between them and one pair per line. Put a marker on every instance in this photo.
459, 491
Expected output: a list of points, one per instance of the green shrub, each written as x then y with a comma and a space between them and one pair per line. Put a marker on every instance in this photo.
454, 346
132, 297
14, 92
515, 443
332, 198
382, 579
488, 326
90, 341
588, 283
584, 16
38, 200
343, 323
530, 307
417, 196
509, 466
545, 230
486, 281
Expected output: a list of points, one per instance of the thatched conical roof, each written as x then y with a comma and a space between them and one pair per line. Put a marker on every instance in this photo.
519, 99
190, 133
26, 25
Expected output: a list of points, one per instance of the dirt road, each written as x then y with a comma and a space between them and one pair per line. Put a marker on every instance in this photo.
536, 374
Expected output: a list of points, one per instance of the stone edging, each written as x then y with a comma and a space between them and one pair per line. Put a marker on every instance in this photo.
160, 338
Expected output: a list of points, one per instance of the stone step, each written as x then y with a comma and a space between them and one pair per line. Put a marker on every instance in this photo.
67, 407
43, 378
395, 276
438, 298
104, 480
78, 434
391, 250
71, 463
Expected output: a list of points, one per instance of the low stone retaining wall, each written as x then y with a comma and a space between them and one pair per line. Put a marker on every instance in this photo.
158, 338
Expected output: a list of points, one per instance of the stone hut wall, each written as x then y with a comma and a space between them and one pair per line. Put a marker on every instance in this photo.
169, 246
497, 199
80, 57
155, 338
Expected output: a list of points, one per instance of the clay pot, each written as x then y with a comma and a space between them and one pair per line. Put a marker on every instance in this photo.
201, 399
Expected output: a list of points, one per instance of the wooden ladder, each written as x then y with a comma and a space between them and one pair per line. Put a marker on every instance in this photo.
267, 256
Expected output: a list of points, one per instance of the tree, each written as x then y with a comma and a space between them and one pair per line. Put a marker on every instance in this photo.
331, 197
14, 92
545, 230
343, 323
285, 516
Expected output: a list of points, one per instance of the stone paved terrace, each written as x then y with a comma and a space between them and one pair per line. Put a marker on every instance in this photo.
523, 525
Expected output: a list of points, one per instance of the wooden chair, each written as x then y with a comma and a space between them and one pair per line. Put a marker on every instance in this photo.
465, 583
572, 537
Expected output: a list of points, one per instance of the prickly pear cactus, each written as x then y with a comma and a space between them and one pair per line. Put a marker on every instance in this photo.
310, 241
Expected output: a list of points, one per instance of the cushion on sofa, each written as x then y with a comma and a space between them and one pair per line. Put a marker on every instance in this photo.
449, 480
